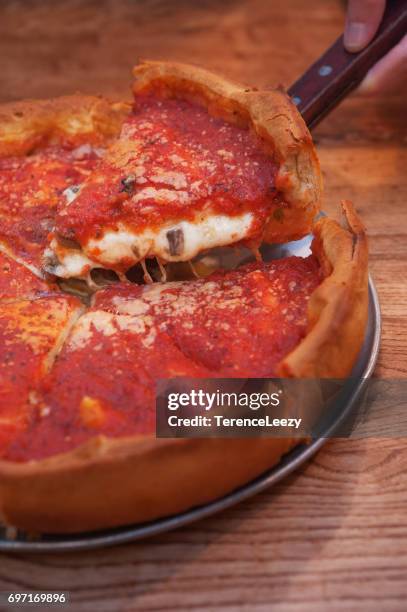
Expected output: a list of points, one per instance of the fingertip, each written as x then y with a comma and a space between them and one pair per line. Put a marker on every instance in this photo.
362, 21
356, 36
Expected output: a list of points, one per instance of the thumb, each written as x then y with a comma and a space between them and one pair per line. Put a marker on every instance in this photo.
362, 20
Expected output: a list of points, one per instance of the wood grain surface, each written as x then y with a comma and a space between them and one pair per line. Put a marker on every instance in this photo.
334, 535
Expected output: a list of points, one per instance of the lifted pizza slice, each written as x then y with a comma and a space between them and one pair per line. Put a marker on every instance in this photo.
200, 162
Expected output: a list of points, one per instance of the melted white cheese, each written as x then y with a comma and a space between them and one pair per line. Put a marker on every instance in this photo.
73, 263
125, 245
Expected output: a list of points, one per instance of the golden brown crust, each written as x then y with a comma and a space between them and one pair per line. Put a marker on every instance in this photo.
337, 310
108, 482
272, 116
28, 124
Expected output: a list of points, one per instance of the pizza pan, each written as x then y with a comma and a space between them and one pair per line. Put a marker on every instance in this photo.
363, 369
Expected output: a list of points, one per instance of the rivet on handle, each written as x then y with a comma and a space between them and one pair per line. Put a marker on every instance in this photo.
325, 70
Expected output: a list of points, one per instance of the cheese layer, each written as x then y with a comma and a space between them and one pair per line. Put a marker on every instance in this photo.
124, 247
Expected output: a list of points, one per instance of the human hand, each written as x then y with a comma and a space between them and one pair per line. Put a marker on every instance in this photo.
362, 21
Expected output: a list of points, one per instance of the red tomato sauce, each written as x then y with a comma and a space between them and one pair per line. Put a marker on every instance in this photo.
31, 188
29, 330
18, 282
172, 161
236, 323
233, 324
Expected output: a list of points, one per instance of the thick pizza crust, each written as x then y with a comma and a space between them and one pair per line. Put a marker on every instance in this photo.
29, 124
337, 310
109, 483
272, 116
112, 482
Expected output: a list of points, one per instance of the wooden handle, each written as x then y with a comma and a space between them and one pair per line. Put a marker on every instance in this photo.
337, 72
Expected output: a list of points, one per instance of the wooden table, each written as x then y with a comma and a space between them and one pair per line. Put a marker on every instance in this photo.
334, 535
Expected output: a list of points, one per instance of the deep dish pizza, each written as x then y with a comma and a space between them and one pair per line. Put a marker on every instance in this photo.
196, 162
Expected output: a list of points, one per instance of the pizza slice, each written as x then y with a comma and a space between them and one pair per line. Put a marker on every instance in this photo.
200, 162
33, 319
47, 149
31, 333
